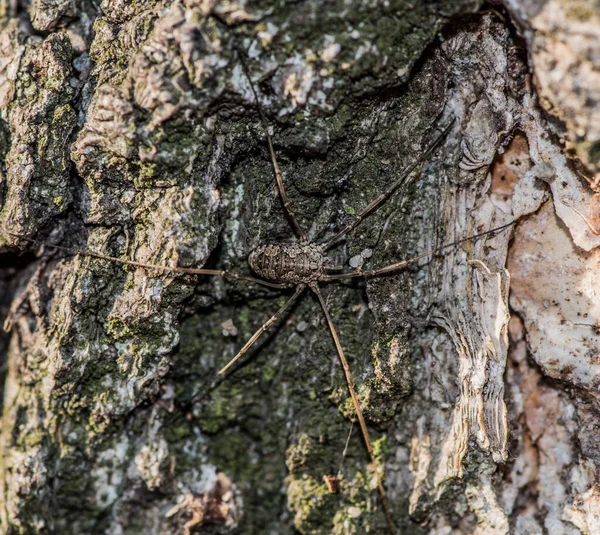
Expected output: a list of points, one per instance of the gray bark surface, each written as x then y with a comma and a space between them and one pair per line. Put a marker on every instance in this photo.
130, 129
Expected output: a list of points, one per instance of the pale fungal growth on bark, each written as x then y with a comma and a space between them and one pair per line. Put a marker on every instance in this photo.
130, 129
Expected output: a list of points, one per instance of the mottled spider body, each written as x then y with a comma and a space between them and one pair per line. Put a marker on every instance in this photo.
289, 263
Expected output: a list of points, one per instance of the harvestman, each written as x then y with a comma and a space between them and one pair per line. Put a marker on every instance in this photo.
301, 265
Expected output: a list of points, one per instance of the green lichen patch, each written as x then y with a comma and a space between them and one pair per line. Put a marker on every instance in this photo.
352, 508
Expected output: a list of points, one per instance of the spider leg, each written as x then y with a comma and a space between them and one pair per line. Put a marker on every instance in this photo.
155, 267
209, 385
300, 234
404, 263
361, 419
299, 289
374, 204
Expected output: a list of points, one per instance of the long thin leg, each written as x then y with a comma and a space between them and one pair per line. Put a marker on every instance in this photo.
188, 271
207, 386
359, 414
265, 326
373, 205
339, 472
404, 263
278, 176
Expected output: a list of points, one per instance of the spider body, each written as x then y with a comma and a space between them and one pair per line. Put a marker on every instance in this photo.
289, 263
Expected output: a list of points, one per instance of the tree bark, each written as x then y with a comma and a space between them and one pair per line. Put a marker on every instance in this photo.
131, 129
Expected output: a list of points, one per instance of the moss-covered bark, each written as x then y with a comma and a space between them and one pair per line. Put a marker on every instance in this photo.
132, 130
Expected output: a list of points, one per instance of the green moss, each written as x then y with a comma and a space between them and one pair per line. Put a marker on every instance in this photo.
313, 505
268, 374
380, 447
118, 329
223, 409
31, 439
178, 432
355, 519
148, 172
298, 454
243, 319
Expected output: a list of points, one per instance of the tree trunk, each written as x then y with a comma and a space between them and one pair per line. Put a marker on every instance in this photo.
131, 129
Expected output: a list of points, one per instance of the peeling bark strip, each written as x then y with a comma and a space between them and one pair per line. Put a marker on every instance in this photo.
132, 130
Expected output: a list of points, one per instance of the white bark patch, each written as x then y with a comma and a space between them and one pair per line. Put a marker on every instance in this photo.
571, 195
109, 472
149, 461
420, 460
10, 58
556, 288
584, 514
564, 48
483, 502
331, 49
554, 285
480, 338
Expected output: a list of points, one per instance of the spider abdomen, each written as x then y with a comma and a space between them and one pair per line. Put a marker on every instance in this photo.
288, 263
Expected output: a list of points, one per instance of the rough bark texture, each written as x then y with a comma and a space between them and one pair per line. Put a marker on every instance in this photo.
130, 128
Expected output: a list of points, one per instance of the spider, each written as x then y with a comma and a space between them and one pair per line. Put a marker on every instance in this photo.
303, 265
